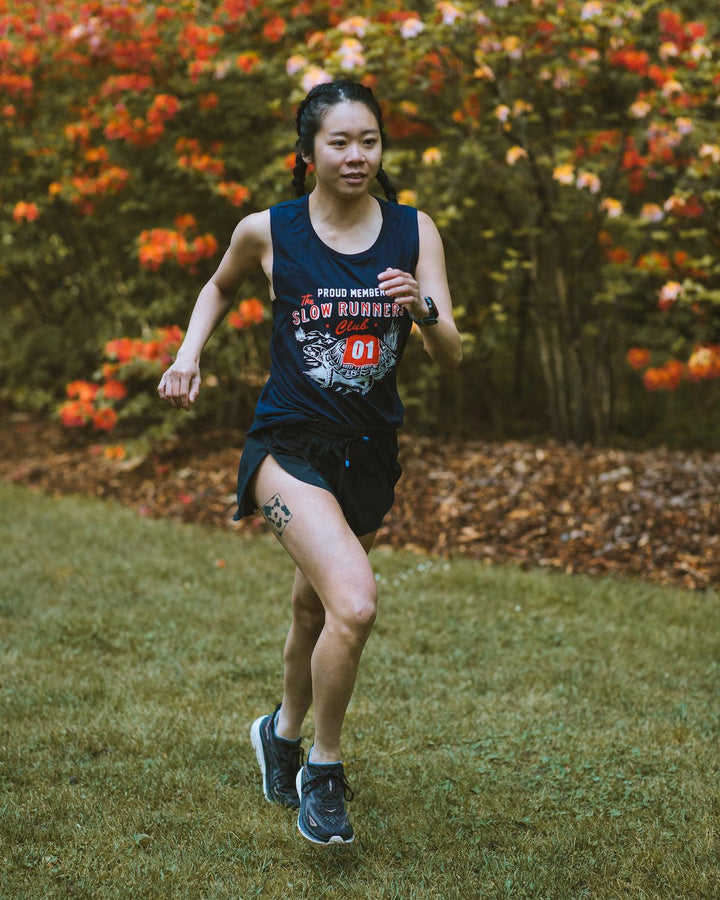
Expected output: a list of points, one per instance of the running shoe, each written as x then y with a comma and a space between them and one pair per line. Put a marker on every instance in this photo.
279, 761
323, 791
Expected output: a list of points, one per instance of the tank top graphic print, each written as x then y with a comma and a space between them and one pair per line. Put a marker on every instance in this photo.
337, 338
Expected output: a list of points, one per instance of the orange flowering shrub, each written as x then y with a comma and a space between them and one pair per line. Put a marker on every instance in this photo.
567, 150
129, 361
86, 404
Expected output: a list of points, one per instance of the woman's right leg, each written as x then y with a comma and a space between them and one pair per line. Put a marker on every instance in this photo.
309, 523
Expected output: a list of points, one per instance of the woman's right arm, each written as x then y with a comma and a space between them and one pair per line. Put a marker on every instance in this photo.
180, 384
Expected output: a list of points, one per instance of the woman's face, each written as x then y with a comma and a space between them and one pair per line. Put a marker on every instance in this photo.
347, 151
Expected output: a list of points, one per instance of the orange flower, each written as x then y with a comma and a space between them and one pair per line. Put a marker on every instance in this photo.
236, 193
654, 262
114, 390
97, 154
16, 85
666, 378
617, 255
633, 60
122, 349
83, 390
208, 101
160, 244
247, 62
638, 357
116, 451
249, 312
163, 107
704, 362
185, 222
104, 419
152, 351
274, 29
118, 84
75, 413
171, 336
27, 211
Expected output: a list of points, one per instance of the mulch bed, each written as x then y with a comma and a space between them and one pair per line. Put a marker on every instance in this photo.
652, 514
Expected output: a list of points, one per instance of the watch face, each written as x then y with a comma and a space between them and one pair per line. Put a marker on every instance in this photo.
432, 309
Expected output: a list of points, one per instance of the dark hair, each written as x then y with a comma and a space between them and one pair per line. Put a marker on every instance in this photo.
309, 119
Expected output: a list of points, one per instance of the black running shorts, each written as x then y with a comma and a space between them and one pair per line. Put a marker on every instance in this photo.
360, 469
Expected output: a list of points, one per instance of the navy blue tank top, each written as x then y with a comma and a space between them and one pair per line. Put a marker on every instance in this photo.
336, 339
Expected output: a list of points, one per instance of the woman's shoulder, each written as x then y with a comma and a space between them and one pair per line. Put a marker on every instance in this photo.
253, 230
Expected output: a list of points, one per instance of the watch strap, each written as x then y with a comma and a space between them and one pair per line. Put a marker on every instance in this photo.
432, 316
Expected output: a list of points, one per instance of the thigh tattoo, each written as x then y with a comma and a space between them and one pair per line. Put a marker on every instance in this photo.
276, 513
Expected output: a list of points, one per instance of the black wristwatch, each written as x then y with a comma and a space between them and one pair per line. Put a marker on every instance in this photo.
432, 316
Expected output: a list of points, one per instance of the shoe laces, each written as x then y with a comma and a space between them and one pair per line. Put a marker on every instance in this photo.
295, 759
332, 783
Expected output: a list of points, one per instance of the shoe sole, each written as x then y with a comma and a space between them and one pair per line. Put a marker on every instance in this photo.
335, 839
256, 741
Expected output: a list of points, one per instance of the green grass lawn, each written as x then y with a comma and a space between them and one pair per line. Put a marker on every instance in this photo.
513, 734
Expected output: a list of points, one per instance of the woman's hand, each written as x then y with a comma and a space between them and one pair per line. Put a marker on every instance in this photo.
180, 384
404, 290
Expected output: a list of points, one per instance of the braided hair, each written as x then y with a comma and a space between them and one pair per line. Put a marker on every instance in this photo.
309, 119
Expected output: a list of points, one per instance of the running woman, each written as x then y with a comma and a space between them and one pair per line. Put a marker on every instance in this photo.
348, 274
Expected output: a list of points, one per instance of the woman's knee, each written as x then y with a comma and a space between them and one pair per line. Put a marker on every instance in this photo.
354, 611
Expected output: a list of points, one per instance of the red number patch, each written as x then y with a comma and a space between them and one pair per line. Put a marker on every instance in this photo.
361, 350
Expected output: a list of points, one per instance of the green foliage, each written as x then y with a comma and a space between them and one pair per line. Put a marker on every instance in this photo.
566, 150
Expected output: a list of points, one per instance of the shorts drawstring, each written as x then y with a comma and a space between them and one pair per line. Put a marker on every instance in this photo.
346, 444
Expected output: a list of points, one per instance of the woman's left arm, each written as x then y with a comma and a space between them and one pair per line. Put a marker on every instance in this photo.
442, 340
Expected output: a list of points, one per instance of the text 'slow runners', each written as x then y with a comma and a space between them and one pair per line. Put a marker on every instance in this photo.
279, 760
323, 790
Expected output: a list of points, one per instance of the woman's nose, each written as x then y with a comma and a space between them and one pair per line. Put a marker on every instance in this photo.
355, 151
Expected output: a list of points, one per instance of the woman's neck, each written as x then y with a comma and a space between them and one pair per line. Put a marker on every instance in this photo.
348, 226
339, 214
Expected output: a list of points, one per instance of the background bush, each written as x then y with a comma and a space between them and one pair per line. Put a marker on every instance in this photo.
566, 150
